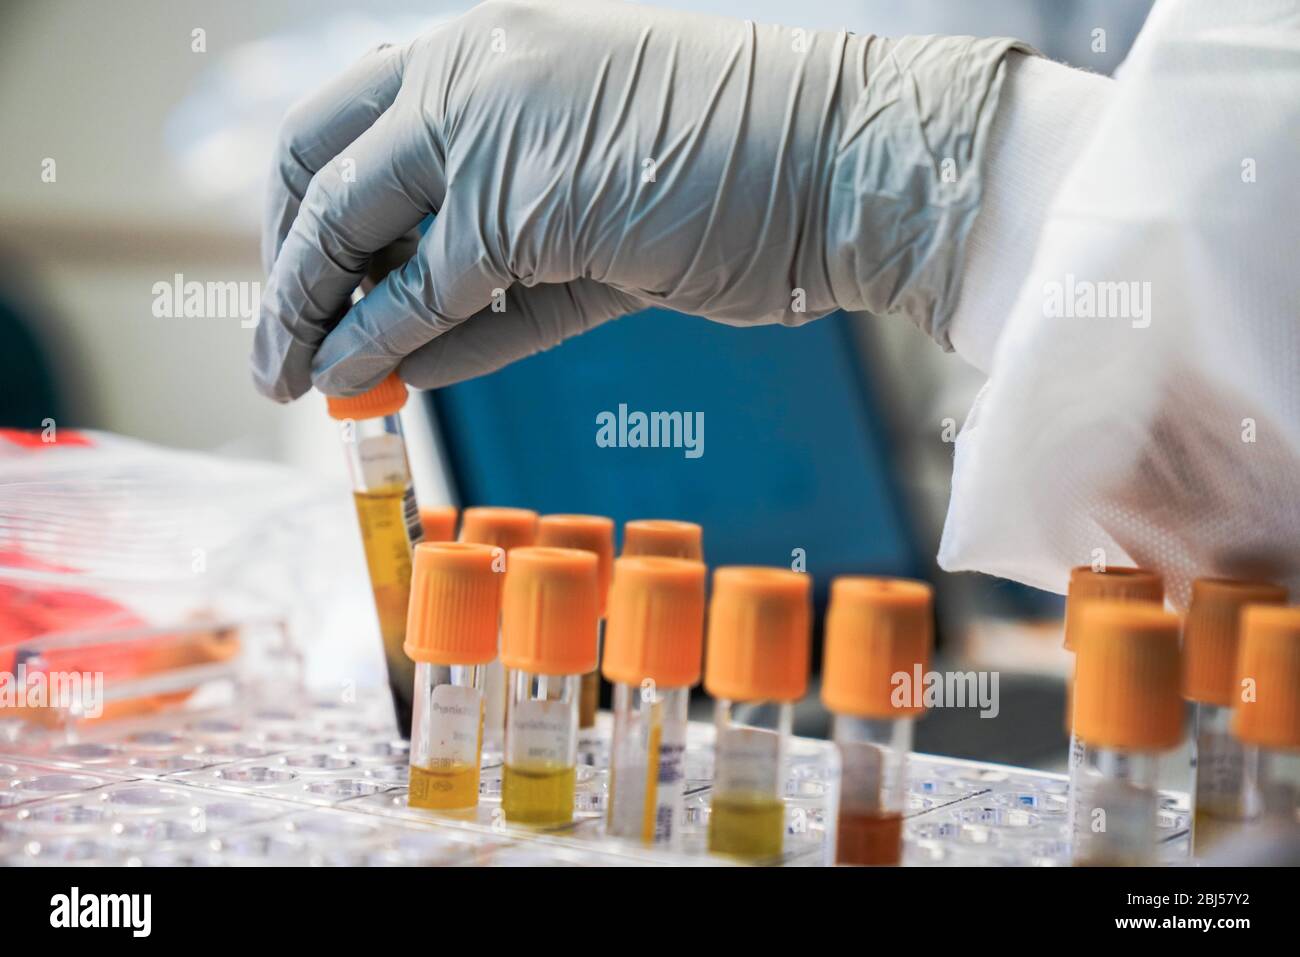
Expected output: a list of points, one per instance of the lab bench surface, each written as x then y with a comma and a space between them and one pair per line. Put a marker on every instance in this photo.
324, 783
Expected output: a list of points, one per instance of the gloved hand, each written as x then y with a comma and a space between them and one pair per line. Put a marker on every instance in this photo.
587, 159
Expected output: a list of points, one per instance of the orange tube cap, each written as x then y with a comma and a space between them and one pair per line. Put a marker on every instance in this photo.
1210, 635
438, 522
875, 628
1120, 583
1267, 706
503, 527
1126, 682
759, 634
455, 604
387, 398
590, 533
550, 611
655, 630
662, 536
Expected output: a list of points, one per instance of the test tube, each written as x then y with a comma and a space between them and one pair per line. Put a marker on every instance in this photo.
1220, 800
595, 534
438, 522
503, 528
876, 628
451, 635
756, 668
390, 522
653, 650
548, 642
1119, 583
1266, 718
664, 537
1128, 713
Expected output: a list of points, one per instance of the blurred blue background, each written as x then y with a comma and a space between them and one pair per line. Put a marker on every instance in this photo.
795, 458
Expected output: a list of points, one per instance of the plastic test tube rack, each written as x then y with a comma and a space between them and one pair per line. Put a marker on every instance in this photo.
263, 785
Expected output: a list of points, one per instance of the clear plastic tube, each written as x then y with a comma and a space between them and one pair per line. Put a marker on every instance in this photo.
447, 736
1272, 788
747, 816
647, 763
1221, 798
390, 529
873, 789
494, 708
1075, 757
541, 748
1114, 807
589, 701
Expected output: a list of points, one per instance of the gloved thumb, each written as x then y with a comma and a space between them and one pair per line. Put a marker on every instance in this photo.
451, 277
451, 315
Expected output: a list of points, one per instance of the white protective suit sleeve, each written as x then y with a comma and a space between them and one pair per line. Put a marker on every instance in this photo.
1144, 395
1046, 118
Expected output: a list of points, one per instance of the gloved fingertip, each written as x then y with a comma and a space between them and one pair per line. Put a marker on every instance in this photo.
345, 379
275, 389
271, 371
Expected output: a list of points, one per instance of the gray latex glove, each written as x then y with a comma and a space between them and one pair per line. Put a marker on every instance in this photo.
587, 159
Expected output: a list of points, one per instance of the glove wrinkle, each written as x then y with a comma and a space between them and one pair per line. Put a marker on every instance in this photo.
748, 174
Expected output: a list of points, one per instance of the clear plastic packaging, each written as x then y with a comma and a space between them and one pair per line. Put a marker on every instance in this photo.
157, 572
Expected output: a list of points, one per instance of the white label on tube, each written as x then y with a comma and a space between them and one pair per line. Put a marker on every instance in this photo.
542, 732
455, 717
1077, 754
749, 760
383, 461
632, 772
1112, 822
1220, 775
863, 776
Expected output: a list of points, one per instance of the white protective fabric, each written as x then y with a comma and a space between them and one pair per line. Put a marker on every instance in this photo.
1166, 433
1047, 115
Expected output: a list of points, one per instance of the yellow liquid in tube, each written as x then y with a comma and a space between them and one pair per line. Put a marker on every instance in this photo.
747, 825
538, 794
387, 540
447, 788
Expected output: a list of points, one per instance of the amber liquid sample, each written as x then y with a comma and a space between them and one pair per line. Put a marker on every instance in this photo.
589, 700
1209, 829
869, 840
448, 788
385, 536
